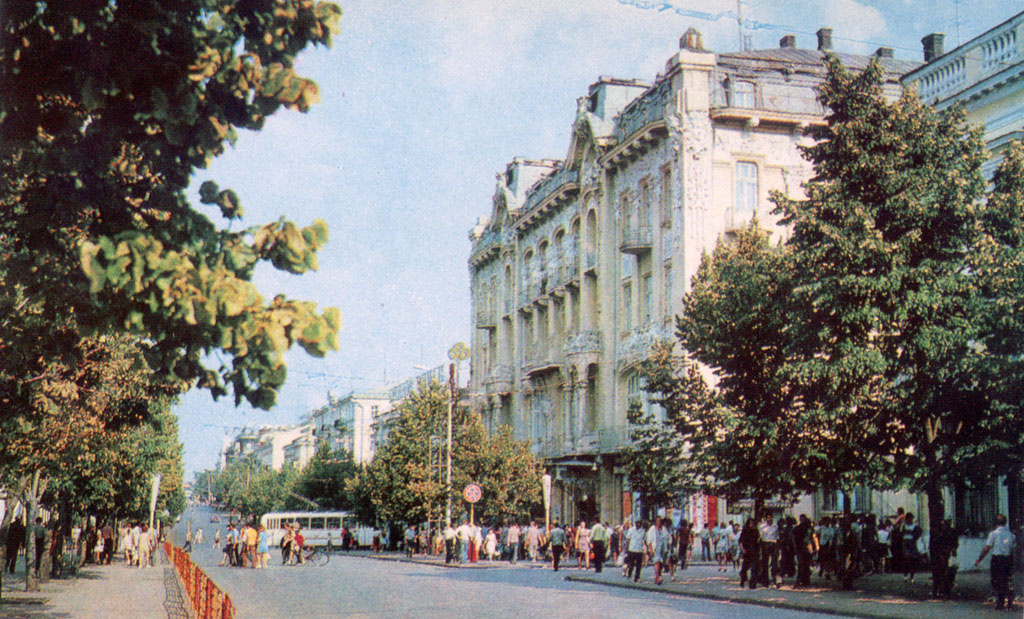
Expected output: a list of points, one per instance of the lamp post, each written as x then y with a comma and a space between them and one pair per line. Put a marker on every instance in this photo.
457, 353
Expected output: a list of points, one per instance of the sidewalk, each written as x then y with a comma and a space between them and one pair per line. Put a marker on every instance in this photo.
107, 591
875, 596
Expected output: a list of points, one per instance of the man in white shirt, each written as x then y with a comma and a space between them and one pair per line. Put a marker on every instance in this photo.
532, 540
514, 533
1000, 543
449, 543
463, 534
636, 546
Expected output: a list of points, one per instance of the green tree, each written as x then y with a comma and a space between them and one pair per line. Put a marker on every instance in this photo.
887, 309
96, 154
402, 484
324, 480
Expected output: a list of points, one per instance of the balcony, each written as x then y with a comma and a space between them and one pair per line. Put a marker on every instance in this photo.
499, 381
549, 186
636, 346
485, 247
636, 240
582, 343
540, 359
644, 111
485, 318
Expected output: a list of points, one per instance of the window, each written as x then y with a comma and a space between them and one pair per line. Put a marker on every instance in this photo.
644, 214
741, 94
627, 306
668, 290
666, 197
625, 212
647, 298
746, 187
628, 266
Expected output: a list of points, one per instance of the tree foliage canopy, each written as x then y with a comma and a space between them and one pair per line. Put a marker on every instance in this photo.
108, 109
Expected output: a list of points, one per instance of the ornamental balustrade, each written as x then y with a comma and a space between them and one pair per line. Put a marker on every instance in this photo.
989, 55
549, 185
649, 108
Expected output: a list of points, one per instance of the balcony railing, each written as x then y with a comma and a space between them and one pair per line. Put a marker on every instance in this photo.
542, 356
549, 185
499, 381
636, 240
650, 107
485, 318
582, 342
982, 58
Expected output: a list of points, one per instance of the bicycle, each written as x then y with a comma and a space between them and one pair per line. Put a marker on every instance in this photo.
317, 557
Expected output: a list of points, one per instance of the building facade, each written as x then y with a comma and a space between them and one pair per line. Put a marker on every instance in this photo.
346, 422
583, 262
986, 76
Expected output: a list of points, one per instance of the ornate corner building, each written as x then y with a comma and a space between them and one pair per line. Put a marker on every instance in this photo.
583, 262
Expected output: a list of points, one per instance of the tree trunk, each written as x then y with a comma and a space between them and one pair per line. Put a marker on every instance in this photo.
31, 582
936, 515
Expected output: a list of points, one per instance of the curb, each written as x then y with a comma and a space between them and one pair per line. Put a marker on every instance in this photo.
787, 605
402, 559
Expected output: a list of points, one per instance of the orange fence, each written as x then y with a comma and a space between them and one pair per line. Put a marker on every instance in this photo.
207, 600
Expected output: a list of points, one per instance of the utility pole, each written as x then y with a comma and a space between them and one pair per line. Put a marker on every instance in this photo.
448, 478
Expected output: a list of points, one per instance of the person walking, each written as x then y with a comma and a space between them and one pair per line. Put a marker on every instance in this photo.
532, 541
1000, 543
599, 542
409, 539
750, 538
491, 545
704, 533
911, 554
449, 536
636, 546
768, 571
15, 540
943, 545
263, 548
684, 539
144, 548
583, 546
513, 536
557, 539
806, 546
659, 540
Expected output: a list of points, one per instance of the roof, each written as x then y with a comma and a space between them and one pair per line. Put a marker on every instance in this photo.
793, 55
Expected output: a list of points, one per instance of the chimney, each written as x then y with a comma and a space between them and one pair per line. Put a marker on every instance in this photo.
692, 40
933, 46
883, 52
825, 39
788, 41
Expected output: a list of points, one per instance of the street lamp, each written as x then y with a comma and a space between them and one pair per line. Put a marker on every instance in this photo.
458, 353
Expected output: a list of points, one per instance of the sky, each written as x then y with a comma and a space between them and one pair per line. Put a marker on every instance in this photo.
423, 102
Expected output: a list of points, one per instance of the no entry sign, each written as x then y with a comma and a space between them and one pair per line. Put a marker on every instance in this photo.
472, 493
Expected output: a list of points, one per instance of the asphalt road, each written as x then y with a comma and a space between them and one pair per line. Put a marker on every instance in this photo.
362, 587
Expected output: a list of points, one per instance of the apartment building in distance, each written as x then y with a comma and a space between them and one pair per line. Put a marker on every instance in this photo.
583, 262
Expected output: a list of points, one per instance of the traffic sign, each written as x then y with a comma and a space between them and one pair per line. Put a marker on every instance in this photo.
472, 493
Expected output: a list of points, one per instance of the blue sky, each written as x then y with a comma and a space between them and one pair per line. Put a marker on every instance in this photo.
424, 102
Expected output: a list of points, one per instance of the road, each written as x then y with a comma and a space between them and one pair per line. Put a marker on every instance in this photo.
362, 587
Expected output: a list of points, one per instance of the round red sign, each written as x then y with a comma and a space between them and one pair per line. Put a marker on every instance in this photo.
472, 493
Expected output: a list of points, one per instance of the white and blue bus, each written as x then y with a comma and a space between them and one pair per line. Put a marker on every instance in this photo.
318, 528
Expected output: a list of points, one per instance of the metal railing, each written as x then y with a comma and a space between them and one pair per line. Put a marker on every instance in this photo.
207, 599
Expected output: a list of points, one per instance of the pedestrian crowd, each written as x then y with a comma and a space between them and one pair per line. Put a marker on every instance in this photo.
763, 553
248, 545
